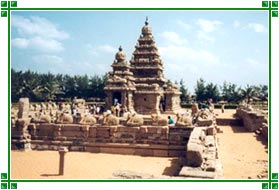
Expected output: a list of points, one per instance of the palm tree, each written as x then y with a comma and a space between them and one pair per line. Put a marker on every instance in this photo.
248, 92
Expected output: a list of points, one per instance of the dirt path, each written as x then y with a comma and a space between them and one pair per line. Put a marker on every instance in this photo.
82, 165
242, 153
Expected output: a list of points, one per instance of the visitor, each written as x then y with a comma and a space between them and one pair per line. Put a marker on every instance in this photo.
170, 120
97, 110
187, 113
223, 108
74, 112
115, 101
117, 110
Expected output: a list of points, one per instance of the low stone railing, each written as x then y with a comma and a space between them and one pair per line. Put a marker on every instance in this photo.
145, 140
202, 154
252, 120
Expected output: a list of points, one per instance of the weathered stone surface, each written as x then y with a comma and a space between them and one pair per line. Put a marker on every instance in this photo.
125, 174
211, 130
143, 152
160, 153
194, 154
252, 120
209, 141
23, 108
196, 173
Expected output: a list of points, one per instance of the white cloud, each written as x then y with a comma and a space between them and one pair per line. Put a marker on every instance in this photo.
20, 43
37, 26
96, 50
37, 33
257, 27
204, 37
252, 62
208, 25
173, 37
107, 49
38, 43
47, 59
236, 24
183, 25
204, 34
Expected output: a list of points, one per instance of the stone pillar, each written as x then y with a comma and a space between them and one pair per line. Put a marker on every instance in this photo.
62, 152
124, 98
23, 109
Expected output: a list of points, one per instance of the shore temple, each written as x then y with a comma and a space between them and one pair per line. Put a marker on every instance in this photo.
141, 86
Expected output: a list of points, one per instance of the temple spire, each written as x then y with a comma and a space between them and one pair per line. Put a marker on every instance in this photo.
146, 21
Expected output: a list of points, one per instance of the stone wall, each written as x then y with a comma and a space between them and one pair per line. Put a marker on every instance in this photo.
144, 140
202, 155
252, 120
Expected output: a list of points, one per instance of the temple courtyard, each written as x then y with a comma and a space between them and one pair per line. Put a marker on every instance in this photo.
239, 160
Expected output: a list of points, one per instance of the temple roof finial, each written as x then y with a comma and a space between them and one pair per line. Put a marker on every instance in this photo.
146, 21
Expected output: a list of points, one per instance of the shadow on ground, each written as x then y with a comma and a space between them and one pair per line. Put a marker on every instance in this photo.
175, 167
49, 175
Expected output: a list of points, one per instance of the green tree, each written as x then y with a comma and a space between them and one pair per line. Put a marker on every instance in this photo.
247, 93
230, 92
200, 90
185, 95
212, 91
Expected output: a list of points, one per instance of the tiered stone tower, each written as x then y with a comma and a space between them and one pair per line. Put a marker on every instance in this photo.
151, 91
120, 84
148, 72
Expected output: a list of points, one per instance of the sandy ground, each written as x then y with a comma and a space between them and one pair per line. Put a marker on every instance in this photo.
243, 155
82, 165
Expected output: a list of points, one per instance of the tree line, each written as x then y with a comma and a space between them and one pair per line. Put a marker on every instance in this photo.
44, 87
227, 92
59, 87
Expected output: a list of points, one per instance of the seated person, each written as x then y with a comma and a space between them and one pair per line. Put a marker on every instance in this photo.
170, 120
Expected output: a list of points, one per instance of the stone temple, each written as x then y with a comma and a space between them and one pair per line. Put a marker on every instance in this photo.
141, 86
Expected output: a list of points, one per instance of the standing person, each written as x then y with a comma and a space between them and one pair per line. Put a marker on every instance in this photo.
223, 108
97, 110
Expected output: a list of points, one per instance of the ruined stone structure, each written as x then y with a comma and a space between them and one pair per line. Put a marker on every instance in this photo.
141, 86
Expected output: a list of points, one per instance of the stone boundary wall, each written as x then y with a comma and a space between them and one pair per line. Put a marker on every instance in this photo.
165, 141
202, 155
228, 121
252, 120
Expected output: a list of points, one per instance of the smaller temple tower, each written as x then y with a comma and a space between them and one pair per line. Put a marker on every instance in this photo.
120, 85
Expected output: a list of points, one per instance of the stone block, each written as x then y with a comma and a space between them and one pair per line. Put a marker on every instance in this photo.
76, 148
93, 132
196, 173
71, 127
92, 149
209, 141
204, 122
194, 154
113, 150
143, 152
177, 153
160, 153
143, 129
23, 108
104, 134
211, 130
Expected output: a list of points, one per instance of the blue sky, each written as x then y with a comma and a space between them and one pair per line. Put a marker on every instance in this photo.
217, 46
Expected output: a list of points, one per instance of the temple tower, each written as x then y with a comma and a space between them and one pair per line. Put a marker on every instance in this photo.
120, 84
141, 86
153, 93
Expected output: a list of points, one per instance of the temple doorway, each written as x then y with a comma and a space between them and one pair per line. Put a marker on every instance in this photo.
116, 98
